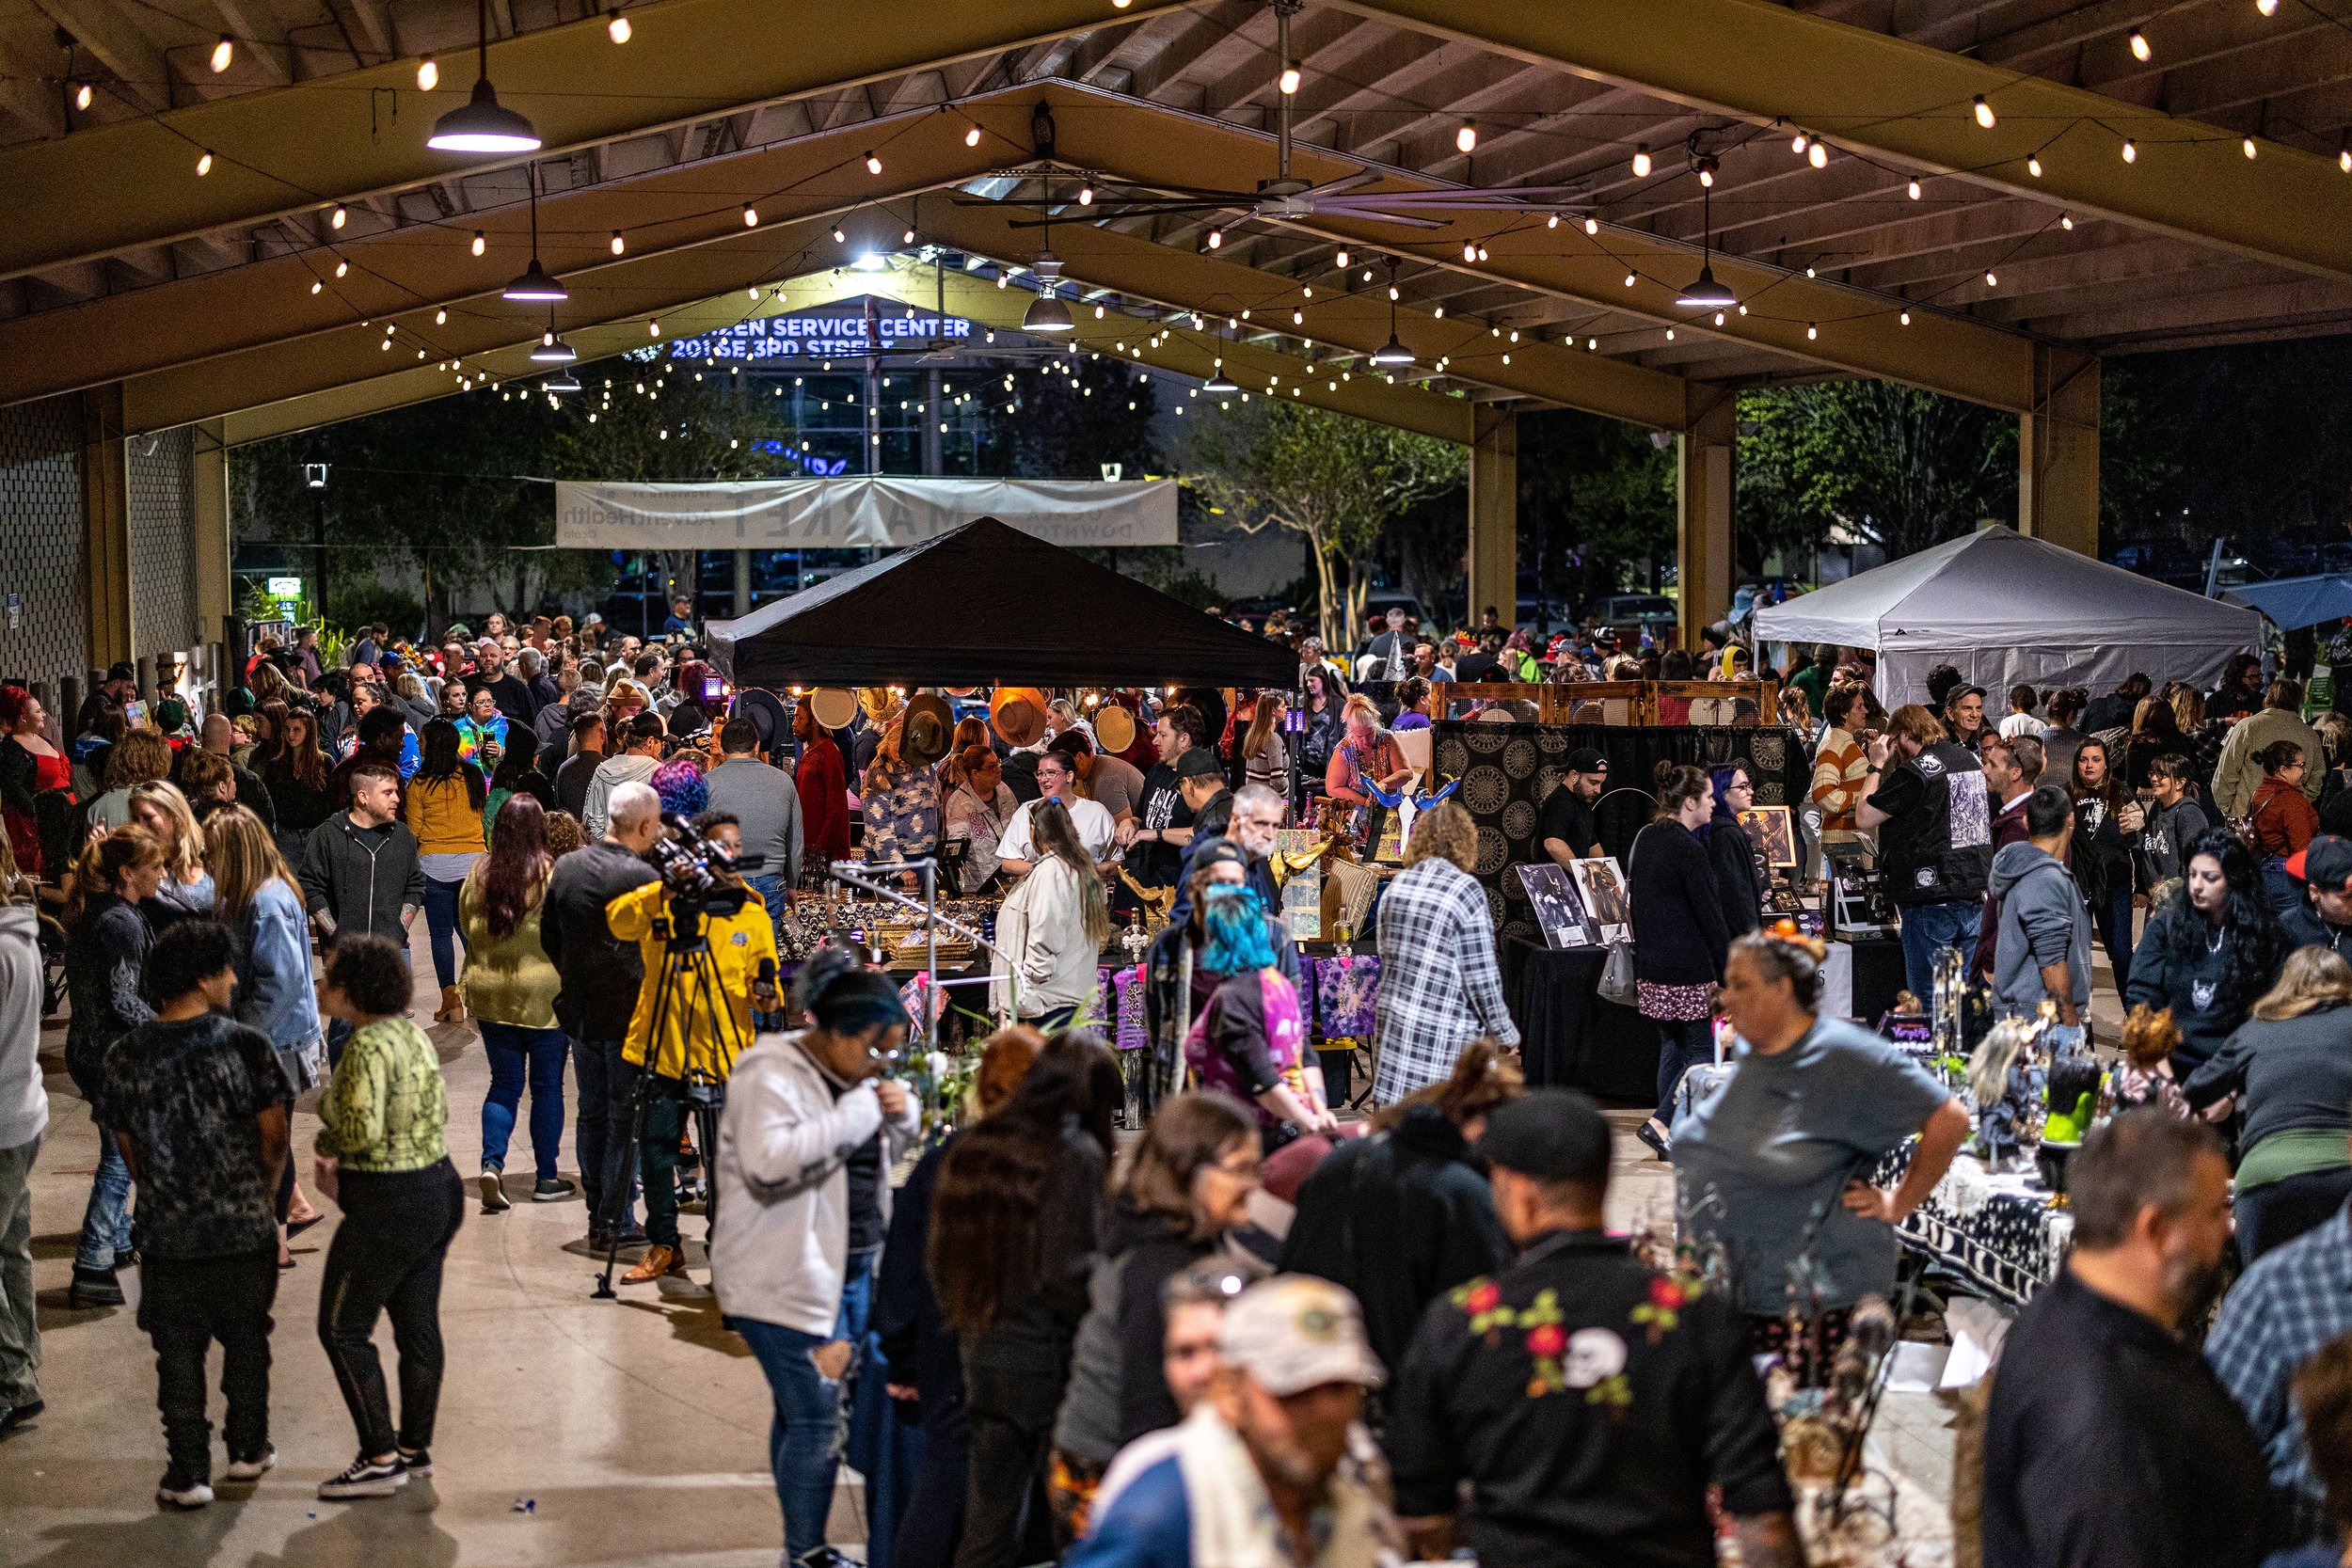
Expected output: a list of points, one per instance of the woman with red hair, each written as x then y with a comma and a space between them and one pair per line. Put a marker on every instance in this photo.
29, 766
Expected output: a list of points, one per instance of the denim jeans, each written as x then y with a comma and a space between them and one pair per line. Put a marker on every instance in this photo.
802, 1437
1682, 1044
2112, 915
106, 1219
441, 919
595, 1131
1930, 927
515, 1054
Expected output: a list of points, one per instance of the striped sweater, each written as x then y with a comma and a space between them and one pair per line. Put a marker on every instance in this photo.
1838, 768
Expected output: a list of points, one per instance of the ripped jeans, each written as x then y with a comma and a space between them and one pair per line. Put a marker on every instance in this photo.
804, 1439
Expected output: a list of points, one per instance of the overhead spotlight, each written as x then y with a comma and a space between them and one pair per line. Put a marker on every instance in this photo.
2131, 151
2139, 46
620, 246
1220, 382
1705, 293
482, 124
1466, 138
1048, 313
1217, 238
1289, 79
751, 216
535, 283
873, 164
1983, 111
2033, 164
972, 137
1641, 162
1913, 191
204, 164
83, 94
1818, 154
481, 242
618, 27
223, 53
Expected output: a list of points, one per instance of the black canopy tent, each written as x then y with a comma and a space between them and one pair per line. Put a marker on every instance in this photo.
988, 605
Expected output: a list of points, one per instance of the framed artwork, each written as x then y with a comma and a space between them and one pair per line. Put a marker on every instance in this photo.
1773, 834
1559, 910
1601, 884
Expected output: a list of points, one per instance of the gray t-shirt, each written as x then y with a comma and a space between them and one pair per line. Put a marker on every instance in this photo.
1767, 1158
1117, 785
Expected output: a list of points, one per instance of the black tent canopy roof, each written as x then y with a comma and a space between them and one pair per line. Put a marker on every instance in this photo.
988, 605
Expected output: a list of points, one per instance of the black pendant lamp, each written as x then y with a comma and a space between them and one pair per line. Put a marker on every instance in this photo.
535, 282
484, 124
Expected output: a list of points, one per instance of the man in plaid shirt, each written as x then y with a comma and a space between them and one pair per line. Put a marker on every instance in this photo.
1439, 988
2294, 1299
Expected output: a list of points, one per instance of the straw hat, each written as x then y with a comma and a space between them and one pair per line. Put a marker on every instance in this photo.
1114, 727
833, 706
1018, 714
881, 704
924, 733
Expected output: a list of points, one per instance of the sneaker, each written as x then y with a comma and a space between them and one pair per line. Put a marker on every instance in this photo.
14, 1415
552, 1189
252, 1469
824, 1557
417, 1461
603, 1240
494, 1200
94, 1287
365, 1477
657, 1261
174, 1493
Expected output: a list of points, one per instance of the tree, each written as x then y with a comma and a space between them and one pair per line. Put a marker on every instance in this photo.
1337, 481
1604, 490
1900, 466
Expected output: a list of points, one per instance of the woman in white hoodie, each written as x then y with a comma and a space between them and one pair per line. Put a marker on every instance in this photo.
799, 1106
1051, 931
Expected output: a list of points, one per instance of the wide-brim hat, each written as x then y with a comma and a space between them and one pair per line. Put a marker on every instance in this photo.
1114, 728
834, 707
924, 733
1017, 713
880, 703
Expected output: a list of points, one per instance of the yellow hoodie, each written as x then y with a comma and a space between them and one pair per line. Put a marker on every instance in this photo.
738, 942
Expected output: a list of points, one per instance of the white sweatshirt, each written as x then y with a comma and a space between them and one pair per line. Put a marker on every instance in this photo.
782, 1241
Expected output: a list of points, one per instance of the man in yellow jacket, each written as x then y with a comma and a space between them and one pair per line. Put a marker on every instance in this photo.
691, 1040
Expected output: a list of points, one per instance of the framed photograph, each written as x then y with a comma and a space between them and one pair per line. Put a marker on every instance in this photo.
1559, 910
1773, 834
1601, 884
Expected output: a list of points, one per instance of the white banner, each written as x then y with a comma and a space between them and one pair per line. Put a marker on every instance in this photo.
848, 513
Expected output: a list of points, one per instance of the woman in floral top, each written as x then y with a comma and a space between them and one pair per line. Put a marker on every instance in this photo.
381, 1155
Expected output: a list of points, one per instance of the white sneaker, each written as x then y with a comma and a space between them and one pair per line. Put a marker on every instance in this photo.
192, 1497
252, 1469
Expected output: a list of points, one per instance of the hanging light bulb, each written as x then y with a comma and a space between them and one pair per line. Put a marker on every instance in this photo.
1811, 332
1552, 221
1217, 238
619, 28
2066, 220
83, 94
204, 164
2140, 46
1991, 281
481, 242
316, 285
1984, 112
2344, 159
428, 74
1470, 251
1641, 162
482, 124
223, 53
2247, 146
341, 267
440, 317
2131, 151
1466, 138
873, 164
1818, 154
1798, 143
2033, 164
1591, 226
1085, 193
1341, 259
653, 329
620, 246
340, 215
972, 137
1288, 81
751, 216
907, 238
840, 238
2267, 7
1906, 318
1913, 190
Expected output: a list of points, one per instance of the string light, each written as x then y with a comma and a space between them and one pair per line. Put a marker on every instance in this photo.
1914, 190
1991, 281
341, 267
1470, 252
204, 164
2033, 164
1641, 162
1798, 143
1085, 193
2267, 7
618, 27
1630, 280
2344, 159
1465, 139
907, 238
2141, 51
1340, 260
1289, 80
1552, 221
223, 53
1818, 154
481, 242
751, 216
83, 94
653, 329
1217, 238
873, 164
2248, 145
1906, 318
839, 238
972, 137
1719, 318
339, 216
2131, 151
316, 285
620, 246
2066, 220
440, 317
1984, 112
1591, 226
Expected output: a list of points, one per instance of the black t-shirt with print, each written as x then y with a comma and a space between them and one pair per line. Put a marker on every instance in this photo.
187, 1094
1153, 864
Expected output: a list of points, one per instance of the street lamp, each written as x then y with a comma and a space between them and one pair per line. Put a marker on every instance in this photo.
314, 479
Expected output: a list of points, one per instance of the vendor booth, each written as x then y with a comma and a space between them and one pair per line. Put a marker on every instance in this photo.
2006, 610
2294, 602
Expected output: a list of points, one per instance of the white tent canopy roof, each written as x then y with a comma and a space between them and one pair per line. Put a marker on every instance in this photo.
2006, 610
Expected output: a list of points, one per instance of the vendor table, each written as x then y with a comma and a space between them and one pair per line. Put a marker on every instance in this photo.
1999, 1232
1570, 1037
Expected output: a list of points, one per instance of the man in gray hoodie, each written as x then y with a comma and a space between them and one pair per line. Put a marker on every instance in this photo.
638, 753
2044, 949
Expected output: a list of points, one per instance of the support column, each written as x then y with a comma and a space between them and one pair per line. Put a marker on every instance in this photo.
2057, 452
1494, 514
1704, 486
208, 509
105, 526
742, 584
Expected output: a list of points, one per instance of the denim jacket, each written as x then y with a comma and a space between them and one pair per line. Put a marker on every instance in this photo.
274, 989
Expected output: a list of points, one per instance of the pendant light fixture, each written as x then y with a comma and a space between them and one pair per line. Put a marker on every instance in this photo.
550, 349
1045, 312
484, 124
535, 283
1218, 381
1705, 292
1393, 352
563, 381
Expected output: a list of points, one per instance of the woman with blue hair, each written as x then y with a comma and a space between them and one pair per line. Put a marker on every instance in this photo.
1250, 1039
1740, 874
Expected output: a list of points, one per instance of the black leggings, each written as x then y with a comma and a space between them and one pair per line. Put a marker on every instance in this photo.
386, 1258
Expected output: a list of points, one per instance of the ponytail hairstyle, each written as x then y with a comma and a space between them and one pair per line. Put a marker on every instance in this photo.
129, 848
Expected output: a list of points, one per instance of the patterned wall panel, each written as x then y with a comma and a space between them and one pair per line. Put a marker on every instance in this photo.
41, 540
163, 561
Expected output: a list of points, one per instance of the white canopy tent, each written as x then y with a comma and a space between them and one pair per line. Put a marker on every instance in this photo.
2006, 610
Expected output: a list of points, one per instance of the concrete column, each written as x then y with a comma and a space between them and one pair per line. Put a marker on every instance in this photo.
1494, 514
742, 584
208, 510
2057, 452
105, 526
1704, 486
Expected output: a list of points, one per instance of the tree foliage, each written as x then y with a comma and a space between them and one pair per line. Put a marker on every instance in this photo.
1338, 482
1606, 494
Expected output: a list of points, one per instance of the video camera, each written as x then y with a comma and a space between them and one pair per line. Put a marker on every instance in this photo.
691, 867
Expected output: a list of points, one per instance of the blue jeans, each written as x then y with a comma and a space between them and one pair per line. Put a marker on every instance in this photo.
516, 1054
771, 890
1930, 927
801, 1437
441, 919
106, 1219
2285, 896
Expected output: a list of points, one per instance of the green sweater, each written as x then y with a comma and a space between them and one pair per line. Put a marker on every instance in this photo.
507, 979
385, 1106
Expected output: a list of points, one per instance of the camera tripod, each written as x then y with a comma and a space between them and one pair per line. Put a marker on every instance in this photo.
689, 977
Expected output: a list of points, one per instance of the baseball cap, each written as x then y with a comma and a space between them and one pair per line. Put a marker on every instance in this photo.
1218, 851
1199, 762
1586, 761
2325, 862
1295, 1332
122, 670
1553, 1134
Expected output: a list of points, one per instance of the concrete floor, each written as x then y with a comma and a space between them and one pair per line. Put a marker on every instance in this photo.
633, 1432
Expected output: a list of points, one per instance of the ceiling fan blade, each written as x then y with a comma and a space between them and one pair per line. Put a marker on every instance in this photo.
1343, 209
1343, 185
1521, 197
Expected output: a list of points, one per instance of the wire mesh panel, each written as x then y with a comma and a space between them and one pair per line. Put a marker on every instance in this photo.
42, 632
162, 559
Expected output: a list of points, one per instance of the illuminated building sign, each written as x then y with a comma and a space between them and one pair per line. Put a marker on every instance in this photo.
831, 332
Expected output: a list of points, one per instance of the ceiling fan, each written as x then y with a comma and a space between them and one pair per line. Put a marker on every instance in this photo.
1286, 197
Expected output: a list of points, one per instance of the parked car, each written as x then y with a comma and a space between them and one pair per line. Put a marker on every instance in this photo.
1632, 609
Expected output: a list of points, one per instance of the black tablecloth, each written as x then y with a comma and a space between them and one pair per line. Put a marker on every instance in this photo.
1877, 975
1568, 1036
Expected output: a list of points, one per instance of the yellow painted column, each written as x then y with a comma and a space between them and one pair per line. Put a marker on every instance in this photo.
2057, 452
105, 526
1705, 482
208, 515
1494, 514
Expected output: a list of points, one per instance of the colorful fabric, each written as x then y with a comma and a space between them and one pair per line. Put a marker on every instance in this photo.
901, 812
1674, 1004
1127, 994
474, 734
386, 1107
1347, 994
